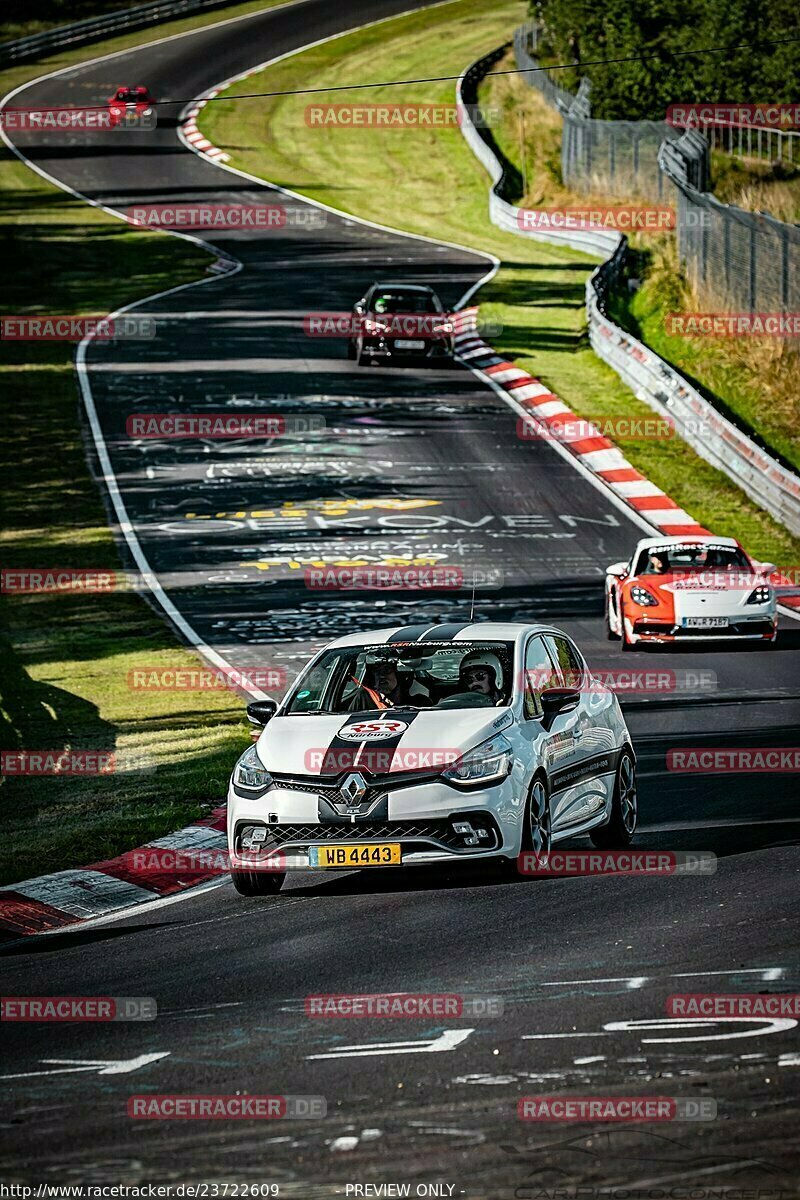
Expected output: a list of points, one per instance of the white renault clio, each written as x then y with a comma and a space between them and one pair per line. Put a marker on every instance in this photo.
418, 745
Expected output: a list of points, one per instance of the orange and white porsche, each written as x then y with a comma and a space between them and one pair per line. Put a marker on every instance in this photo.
677, 588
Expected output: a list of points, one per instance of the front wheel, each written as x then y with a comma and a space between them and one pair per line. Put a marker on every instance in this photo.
619, 830
537, 835
257, 883
627, 644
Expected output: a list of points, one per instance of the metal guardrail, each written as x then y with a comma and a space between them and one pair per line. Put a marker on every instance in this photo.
650, 378
95, 28
504, 176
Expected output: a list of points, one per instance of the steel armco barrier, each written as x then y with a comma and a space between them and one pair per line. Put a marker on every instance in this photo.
650, 378
95, 28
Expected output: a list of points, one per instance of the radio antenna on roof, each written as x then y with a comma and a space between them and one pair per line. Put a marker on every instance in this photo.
472, 601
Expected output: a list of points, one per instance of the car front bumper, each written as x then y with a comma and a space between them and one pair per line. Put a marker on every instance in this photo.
420, 818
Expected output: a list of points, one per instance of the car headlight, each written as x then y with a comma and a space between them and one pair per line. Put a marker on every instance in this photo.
760, 595
486, 764
640, 595
250, 772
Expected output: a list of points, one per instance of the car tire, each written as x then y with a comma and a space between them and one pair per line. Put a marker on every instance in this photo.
618, 831
612, 637
537, 835
258, 883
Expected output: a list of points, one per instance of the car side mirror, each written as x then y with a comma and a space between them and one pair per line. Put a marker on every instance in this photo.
558, 700
767, 568
261, 711
617, 569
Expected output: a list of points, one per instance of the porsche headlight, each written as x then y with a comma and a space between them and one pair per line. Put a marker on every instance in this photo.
487, 764
640, 595
250, 772
760, 595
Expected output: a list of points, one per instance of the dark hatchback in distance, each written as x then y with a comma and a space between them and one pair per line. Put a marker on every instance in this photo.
400, 321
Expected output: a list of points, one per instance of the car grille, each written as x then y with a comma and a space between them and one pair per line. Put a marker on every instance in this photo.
440, 832
378, 785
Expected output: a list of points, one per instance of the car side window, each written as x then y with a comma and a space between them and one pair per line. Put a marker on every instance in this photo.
569, 660
540, 673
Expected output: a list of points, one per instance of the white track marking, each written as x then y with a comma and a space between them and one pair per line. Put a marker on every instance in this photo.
446, 1041
68, 1066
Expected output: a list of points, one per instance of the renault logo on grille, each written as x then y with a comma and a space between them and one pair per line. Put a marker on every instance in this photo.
354, 788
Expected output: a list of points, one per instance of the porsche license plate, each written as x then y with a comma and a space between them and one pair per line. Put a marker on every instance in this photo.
409, 344
706, 622
357, 854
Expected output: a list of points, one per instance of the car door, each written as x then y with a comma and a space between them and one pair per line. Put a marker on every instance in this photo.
552, 743
584, 756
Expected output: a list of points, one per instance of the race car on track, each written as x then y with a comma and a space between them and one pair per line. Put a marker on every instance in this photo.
132, 106
399, 320
681, 588
418, 746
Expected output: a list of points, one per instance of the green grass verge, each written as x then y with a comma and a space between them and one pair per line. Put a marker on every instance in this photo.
429, 182
66, 659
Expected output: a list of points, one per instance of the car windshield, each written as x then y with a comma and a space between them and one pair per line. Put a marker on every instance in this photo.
412, 676
131, 94
403, 302
690, 558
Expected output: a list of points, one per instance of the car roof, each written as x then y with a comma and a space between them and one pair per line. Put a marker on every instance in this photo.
687, 540
452, 631
399, 286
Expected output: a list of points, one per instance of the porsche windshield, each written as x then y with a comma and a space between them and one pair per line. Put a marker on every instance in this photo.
688, 558
431, 675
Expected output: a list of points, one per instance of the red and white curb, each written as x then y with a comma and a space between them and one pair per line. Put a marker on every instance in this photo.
51, 902
197, 139
583, 441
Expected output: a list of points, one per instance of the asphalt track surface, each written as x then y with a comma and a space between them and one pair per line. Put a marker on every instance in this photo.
569, 957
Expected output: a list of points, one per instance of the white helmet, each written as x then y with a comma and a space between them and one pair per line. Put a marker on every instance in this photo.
484, 658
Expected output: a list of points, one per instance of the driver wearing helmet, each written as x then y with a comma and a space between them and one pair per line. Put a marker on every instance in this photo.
388, 685
481, 671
